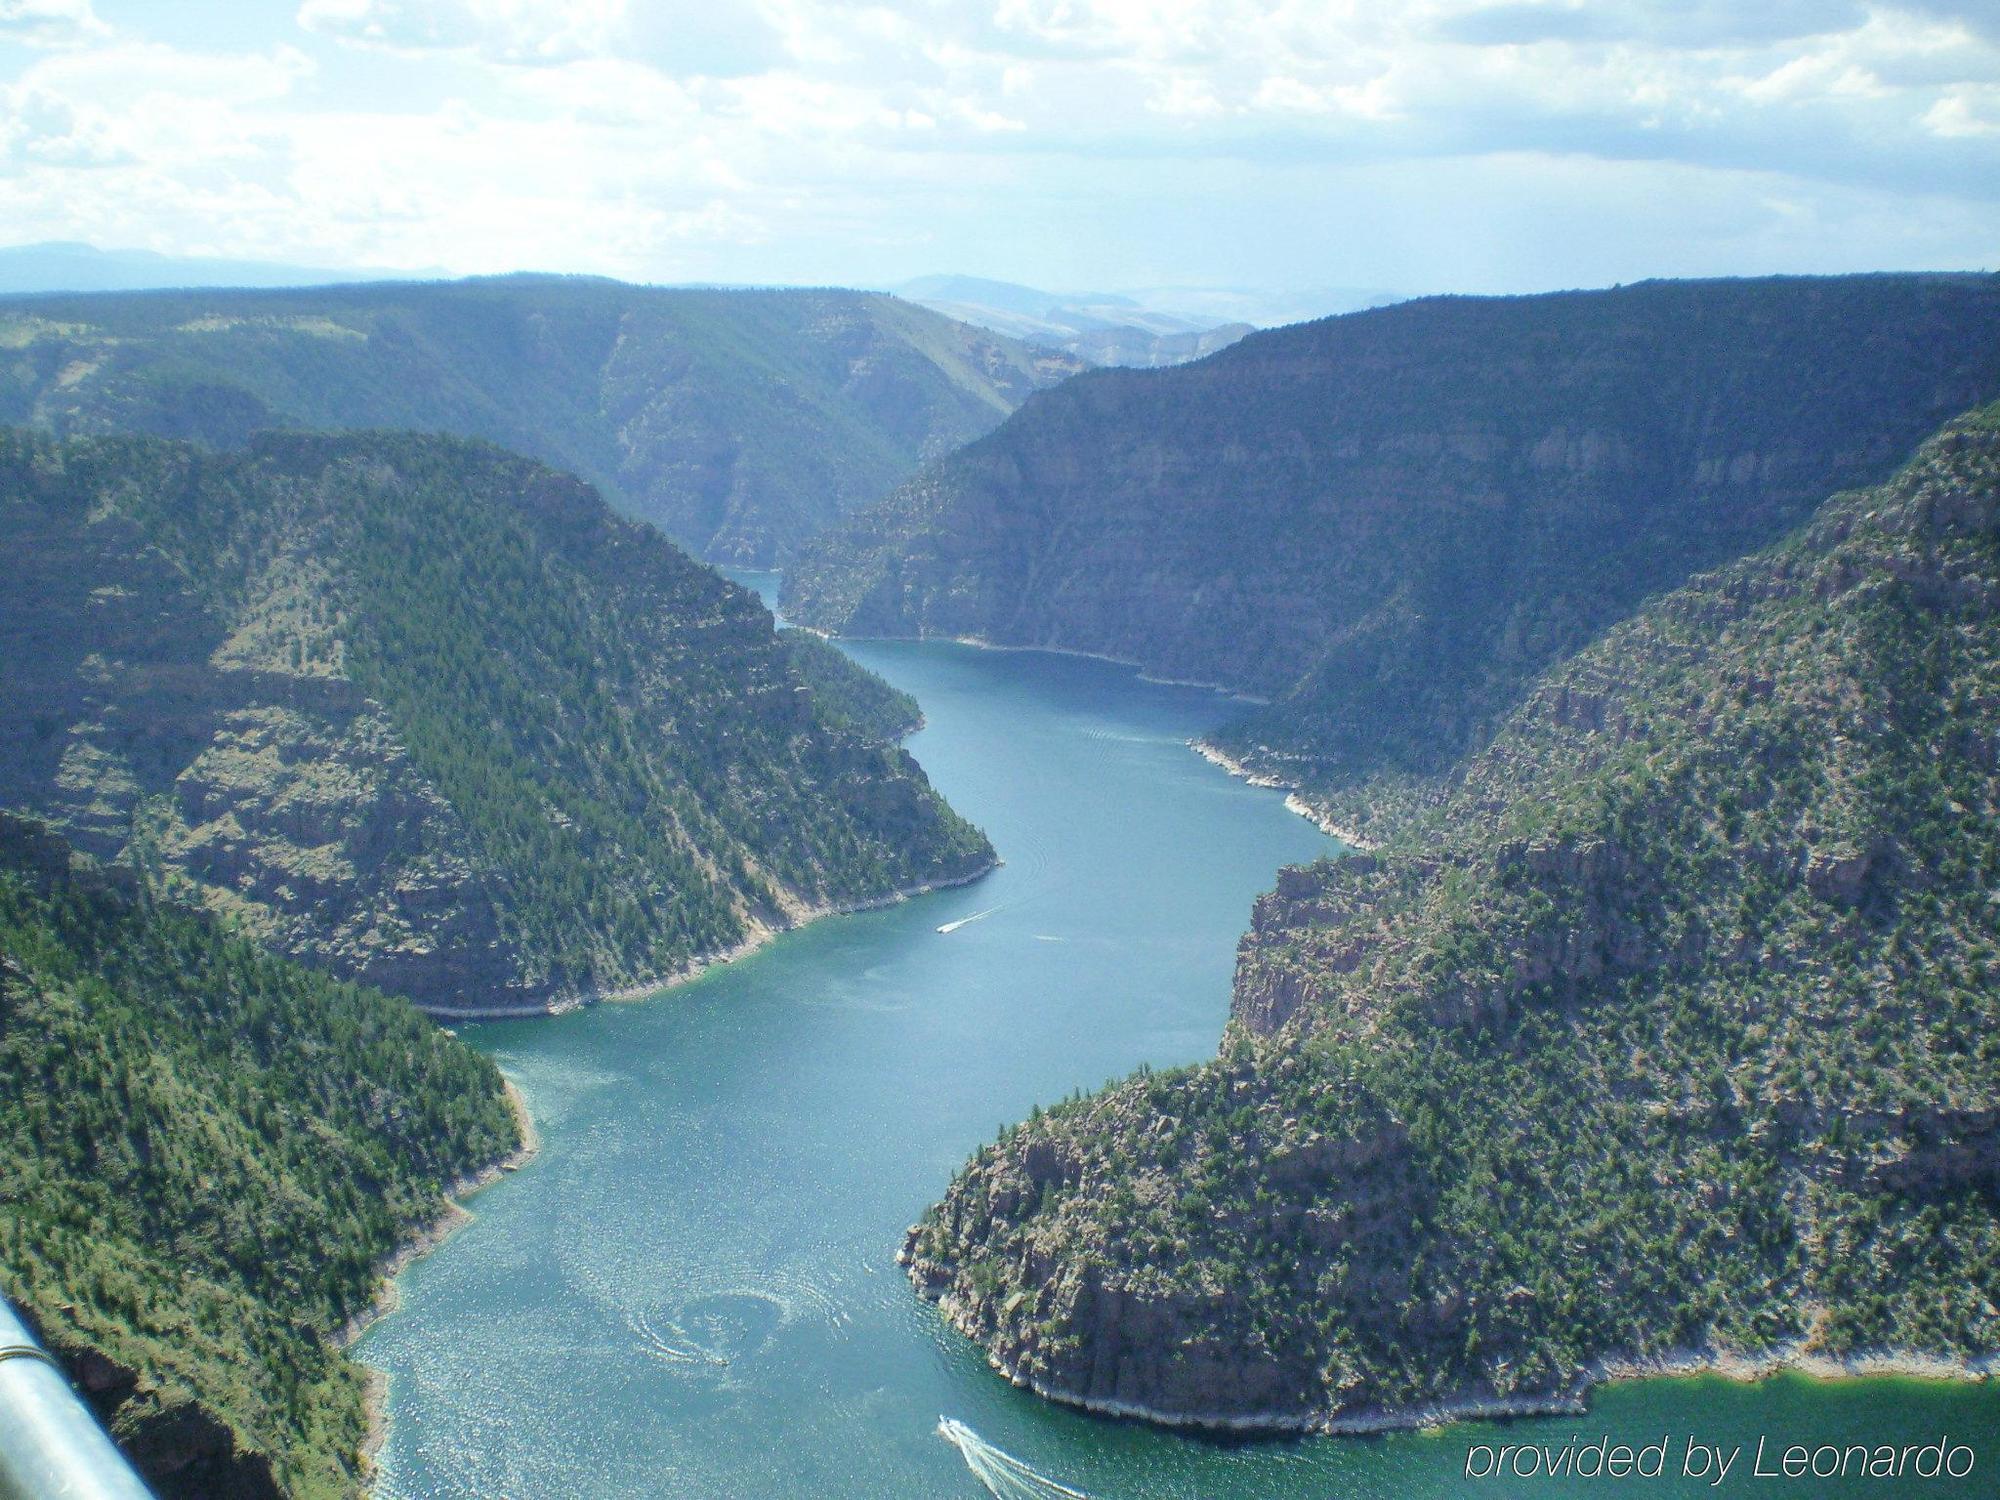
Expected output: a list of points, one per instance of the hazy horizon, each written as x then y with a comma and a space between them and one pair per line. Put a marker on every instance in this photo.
1070, 145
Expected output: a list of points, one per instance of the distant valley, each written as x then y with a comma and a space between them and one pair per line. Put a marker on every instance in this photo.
738, 422
1167, 326
1099, 328
1388, 522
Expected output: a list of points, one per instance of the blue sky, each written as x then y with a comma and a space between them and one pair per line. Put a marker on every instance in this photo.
1441, 145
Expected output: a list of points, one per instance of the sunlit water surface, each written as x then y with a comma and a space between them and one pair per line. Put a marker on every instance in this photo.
692, 1292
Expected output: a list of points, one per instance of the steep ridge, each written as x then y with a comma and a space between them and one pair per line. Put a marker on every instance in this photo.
1390, 521
426, 714
739, 422
847, 695
207, 1154
1669, 1034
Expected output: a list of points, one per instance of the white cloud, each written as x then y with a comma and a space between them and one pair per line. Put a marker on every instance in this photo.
51, 23
1187, 96
1965, 112
130, 74
515, 31
704, 138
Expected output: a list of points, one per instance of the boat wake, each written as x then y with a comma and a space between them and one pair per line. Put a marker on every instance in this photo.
962, 921
1004, 1475
676, 1346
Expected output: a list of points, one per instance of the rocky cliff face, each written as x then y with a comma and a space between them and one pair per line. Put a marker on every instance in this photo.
1391, 521
243, 760
1661, 1026
427, 716
740, 422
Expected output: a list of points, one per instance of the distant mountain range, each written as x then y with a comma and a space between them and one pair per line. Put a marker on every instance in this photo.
1163, 326
67, 266
739, 422
1147, 327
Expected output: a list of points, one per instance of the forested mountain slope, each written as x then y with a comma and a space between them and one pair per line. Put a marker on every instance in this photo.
426, 714
1390, 521
205, 1153
1674, 1024
737, 421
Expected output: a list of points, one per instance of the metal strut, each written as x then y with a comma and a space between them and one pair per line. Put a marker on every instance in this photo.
51, 1445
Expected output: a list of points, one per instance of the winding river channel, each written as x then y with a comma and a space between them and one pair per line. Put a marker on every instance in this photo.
692, 1291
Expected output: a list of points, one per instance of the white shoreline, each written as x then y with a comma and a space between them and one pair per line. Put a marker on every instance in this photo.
422, 1240
1727, 1364
1294, 801
452, 1217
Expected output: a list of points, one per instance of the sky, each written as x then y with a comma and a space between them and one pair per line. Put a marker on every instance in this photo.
1441, 145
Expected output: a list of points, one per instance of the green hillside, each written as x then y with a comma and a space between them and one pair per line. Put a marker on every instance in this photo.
204, 1154
848, 695
427, 714
1672, 1023
740, 422
1389, 522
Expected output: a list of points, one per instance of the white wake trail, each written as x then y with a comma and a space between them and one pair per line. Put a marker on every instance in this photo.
954, 926
1004, 1475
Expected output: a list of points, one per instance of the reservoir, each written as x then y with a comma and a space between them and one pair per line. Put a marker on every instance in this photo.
692, 1291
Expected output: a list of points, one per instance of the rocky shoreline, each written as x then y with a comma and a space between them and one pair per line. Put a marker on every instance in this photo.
448, 1221
1728, 1364
1294, 799
453, 1217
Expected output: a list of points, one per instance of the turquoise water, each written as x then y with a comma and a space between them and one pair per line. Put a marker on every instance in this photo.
692, 1291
